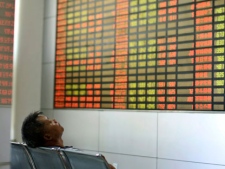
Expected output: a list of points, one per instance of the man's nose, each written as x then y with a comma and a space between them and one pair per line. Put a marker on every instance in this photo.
54, 120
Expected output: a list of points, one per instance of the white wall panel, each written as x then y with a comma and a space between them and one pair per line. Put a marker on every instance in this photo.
49, 113
192, 137
168, 164
47, 90
50, 8
130, 162
49, 40
128, 132
27, 61
80, 127
5, 115
4, 166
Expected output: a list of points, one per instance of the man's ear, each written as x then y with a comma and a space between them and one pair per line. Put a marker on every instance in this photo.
47, 137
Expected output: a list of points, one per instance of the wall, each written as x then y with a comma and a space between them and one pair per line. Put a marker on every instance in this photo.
135, 139
5, 115
27, 62
27, 55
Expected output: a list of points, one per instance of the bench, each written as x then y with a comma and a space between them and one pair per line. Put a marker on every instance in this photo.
24, 157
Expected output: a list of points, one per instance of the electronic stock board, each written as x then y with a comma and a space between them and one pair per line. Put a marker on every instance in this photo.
6, 50
140, 54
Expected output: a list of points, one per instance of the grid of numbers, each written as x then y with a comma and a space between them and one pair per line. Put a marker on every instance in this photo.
140, 54
6, 50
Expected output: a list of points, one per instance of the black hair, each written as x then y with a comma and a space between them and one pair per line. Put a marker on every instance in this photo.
32, 130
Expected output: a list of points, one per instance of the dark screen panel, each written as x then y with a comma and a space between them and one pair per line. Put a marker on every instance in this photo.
6, 50
147, 54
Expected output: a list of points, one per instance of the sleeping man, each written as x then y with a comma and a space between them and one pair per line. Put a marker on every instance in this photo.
40, 131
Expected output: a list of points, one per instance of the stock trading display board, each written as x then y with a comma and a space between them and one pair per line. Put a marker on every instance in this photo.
6, 50
140, 54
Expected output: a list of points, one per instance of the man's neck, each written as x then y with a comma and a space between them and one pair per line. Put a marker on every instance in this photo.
54, 143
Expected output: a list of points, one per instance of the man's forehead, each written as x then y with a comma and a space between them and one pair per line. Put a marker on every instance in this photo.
42, 117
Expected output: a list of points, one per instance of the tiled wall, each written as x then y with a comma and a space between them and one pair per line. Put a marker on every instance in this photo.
135, 139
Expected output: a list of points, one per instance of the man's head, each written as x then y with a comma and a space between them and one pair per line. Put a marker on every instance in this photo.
38, 130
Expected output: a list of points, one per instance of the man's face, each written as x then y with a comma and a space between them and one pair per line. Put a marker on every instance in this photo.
52, 129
